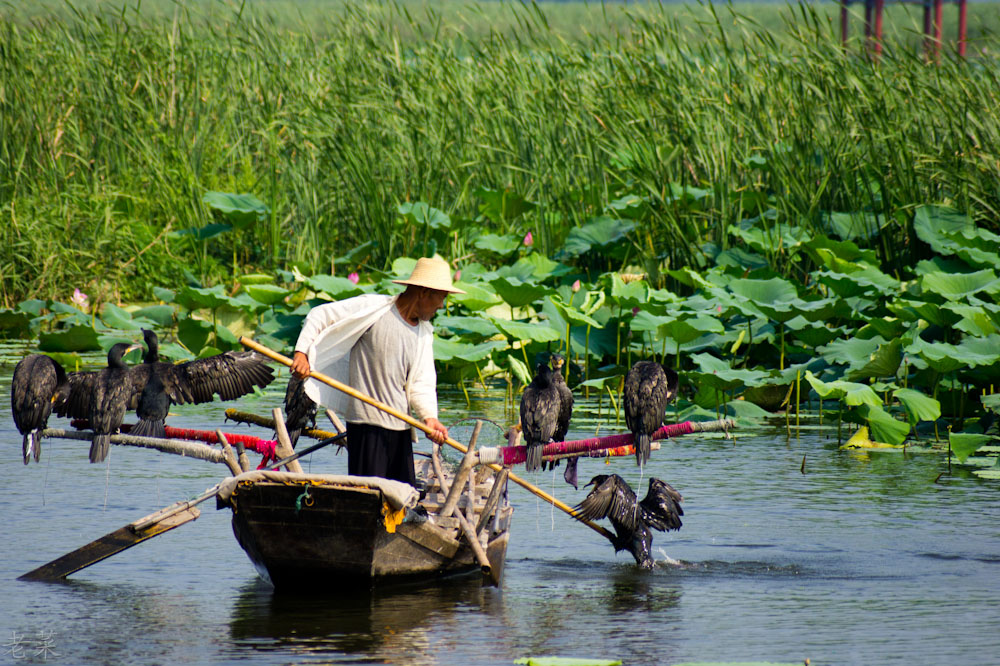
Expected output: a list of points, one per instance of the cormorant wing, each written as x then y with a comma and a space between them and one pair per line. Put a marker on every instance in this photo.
612, 498
661, 508
539, 414
230, 375
74, 400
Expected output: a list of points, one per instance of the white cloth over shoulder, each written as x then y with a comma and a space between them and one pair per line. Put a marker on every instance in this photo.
330, 332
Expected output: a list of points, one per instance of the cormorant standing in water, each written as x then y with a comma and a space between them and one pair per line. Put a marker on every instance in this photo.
111, 393
38, 382
649, 387
155, 385
613, 498
540, 405
300, 410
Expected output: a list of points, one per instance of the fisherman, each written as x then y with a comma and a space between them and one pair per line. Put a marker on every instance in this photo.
383, 347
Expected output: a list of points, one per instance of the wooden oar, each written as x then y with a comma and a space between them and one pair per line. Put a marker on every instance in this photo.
406, 418
136, 532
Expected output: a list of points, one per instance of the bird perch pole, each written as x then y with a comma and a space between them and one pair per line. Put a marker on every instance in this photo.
406, 418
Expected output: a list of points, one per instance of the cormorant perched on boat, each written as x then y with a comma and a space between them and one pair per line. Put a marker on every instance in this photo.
613, 498
38, 382
111, 393
540, 404
157, 384
649, 387
300, 410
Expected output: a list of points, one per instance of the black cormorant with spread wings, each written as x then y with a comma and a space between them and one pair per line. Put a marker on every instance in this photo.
156, 384
540, 405
613, 498
649, 388
38, 382
153, 386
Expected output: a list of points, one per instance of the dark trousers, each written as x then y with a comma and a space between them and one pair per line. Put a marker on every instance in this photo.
376, 451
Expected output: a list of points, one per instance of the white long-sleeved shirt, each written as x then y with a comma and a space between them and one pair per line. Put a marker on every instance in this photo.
329, 334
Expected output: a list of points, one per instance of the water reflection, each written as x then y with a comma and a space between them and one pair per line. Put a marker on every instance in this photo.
390, 626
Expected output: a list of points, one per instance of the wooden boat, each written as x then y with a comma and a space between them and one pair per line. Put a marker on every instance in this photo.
316, 530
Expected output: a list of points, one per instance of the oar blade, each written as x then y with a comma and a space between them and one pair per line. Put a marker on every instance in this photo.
110, 544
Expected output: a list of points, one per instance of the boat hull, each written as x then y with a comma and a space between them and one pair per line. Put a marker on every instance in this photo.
299, 535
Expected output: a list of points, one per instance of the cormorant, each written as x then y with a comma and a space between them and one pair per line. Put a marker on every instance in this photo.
649, 387
565, 413
540, 404
613, 498
155, 384
38, 382
110, 398
300, 410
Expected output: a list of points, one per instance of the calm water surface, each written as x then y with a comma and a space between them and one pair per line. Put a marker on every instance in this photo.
864, 559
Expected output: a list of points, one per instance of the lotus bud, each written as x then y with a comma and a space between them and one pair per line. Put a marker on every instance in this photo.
576, 286
458, 275
354, 277
635, 311
528, 240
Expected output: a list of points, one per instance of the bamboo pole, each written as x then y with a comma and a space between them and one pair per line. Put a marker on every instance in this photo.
178, 447
463, 471
284, 448
246, 417
227, 451
406, 418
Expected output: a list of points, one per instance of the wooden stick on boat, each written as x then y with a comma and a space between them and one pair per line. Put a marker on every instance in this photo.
406, 418
284, 448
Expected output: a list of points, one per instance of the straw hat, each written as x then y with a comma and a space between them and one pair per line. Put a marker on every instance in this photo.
433, 273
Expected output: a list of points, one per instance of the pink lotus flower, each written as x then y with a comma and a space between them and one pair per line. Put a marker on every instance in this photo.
354, 277
528, 240
80, 299
576, 286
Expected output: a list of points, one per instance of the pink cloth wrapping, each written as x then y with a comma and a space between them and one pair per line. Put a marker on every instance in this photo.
513, 455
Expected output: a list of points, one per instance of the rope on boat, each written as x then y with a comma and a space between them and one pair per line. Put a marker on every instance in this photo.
613, 445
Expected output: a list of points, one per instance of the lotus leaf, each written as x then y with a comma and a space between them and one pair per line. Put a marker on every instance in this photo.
850, 393
422, 214
194, 298
520, 330
886, 327
741, 260
776, 298
600, 233
116, 317
851, 226
769, 237
519, 369
516, 293
909, 310
814, 334
863, 280
629, 295
992, 473
631, 206
946, 357
689, 277
14, 323
337, 288
950, 232
884, 427
572, 316
964, 444
77, 338
193, 333
165, 295
451, 350
477, 297
883, 362
542, 267
500, 245
955, 286
918, 406
991, 402
716, 372
976, 320
477, 326
503, 205
161, 315
567, 661
240, 209
268, 294
861, 440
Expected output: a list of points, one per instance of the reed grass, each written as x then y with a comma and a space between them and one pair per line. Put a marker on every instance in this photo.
114, 121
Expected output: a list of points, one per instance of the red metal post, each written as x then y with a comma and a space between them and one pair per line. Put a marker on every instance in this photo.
938, 4
843, 21
962, 25
879, 4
